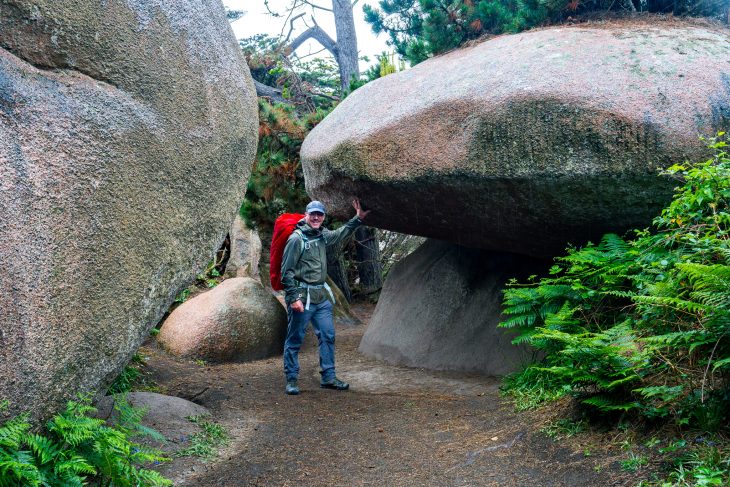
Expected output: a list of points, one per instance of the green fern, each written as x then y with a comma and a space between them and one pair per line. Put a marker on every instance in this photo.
605, 403
77, 448
640, 325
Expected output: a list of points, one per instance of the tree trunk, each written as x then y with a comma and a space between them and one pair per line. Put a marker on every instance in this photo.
368, 259
336, 269
344, 49
346, 43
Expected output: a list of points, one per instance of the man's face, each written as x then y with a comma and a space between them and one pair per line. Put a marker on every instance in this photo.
314, 219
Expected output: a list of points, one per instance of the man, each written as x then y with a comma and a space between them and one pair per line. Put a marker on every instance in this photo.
308, 297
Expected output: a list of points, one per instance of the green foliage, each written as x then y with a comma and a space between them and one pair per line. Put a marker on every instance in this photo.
308, 85
263, 56
641, 326
125, 380
563, 428
702, 464
634, 462
183, 296
77, 448
276, 184
419, 29
532, 388
133, 377
205, 443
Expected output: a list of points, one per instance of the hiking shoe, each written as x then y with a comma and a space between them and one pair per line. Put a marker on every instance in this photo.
292, 388
334, 383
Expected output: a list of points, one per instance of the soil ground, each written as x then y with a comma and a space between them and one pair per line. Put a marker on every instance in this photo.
395, 427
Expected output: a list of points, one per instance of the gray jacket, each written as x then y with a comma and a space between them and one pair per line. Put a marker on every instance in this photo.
307, 263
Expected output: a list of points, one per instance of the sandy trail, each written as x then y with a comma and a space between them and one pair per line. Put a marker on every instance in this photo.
395, 427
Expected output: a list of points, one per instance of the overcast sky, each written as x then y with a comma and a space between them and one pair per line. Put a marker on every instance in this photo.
258, 21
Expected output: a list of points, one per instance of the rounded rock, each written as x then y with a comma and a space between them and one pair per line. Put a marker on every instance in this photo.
238, 320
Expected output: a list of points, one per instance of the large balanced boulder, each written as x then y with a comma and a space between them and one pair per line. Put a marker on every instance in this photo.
127, 133
238, 320
440, 307
526, 142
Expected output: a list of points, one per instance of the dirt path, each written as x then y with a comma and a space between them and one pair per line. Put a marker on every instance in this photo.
396, 427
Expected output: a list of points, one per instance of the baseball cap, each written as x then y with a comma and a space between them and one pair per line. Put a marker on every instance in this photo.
315, 206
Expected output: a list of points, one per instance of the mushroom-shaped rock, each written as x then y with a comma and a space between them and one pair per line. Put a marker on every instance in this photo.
526, 142
127, 134
238, 320
439, 309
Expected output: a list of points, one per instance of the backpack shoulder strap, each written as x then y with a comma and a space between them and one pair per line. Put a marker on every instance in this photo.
302, 241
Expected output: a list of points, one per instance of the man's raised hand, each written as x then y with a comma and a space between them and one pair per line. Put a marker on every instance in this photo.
361, 214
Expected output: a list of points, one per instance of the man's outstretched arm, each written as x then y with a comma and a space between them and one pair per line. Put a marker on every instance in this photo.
332, 237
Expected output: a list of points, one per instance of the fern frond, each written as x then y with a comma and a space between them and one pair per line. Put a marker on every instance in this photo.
43, 448
619, 382
74, 465
614, 244
519, 321
606, 404
664, 393
674, 303
721, 363
153, 479
678, 338
13, 432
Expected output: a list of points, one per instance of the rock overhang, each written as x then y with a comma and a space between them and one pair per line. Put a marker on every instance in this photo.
532, 154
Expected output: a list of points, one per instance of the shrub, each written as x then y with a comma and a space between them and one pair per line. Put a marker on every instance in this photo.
641, 325
77, 448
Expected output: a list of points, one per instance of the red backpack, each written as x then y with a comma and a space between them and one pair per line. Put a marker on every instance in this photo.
283, 227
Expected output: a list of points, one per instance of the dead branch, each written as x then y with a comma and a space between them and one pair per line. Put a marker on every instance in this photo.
318, 34
317, 6
266, 91
291, 26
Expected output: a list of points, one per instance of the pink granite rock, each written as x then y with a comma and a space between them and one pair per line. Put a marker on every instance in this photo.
527, 142
127, 132
238, 320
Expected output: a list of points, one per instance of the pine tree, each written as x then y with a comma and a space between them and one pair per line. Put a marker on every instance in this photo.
418, 29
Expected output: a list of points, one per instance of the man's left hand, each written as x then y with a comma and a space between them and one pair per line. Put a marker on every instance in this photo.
361, 214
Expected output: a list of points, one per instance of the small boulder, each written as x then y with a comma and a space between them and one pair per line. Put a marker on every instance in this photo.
168, 415
440, 307
238, 320
245, 250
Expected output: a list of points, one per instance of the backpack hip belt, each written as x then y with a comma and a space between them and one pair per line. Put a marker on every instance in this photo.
315, 286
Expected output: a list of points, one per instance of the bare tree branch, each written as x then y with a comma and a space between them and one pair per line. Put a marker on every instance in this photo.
317, 6
355, 2
291, 26
271, 12
323, 95
274, 94
320, 36
293, 8
299, 58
